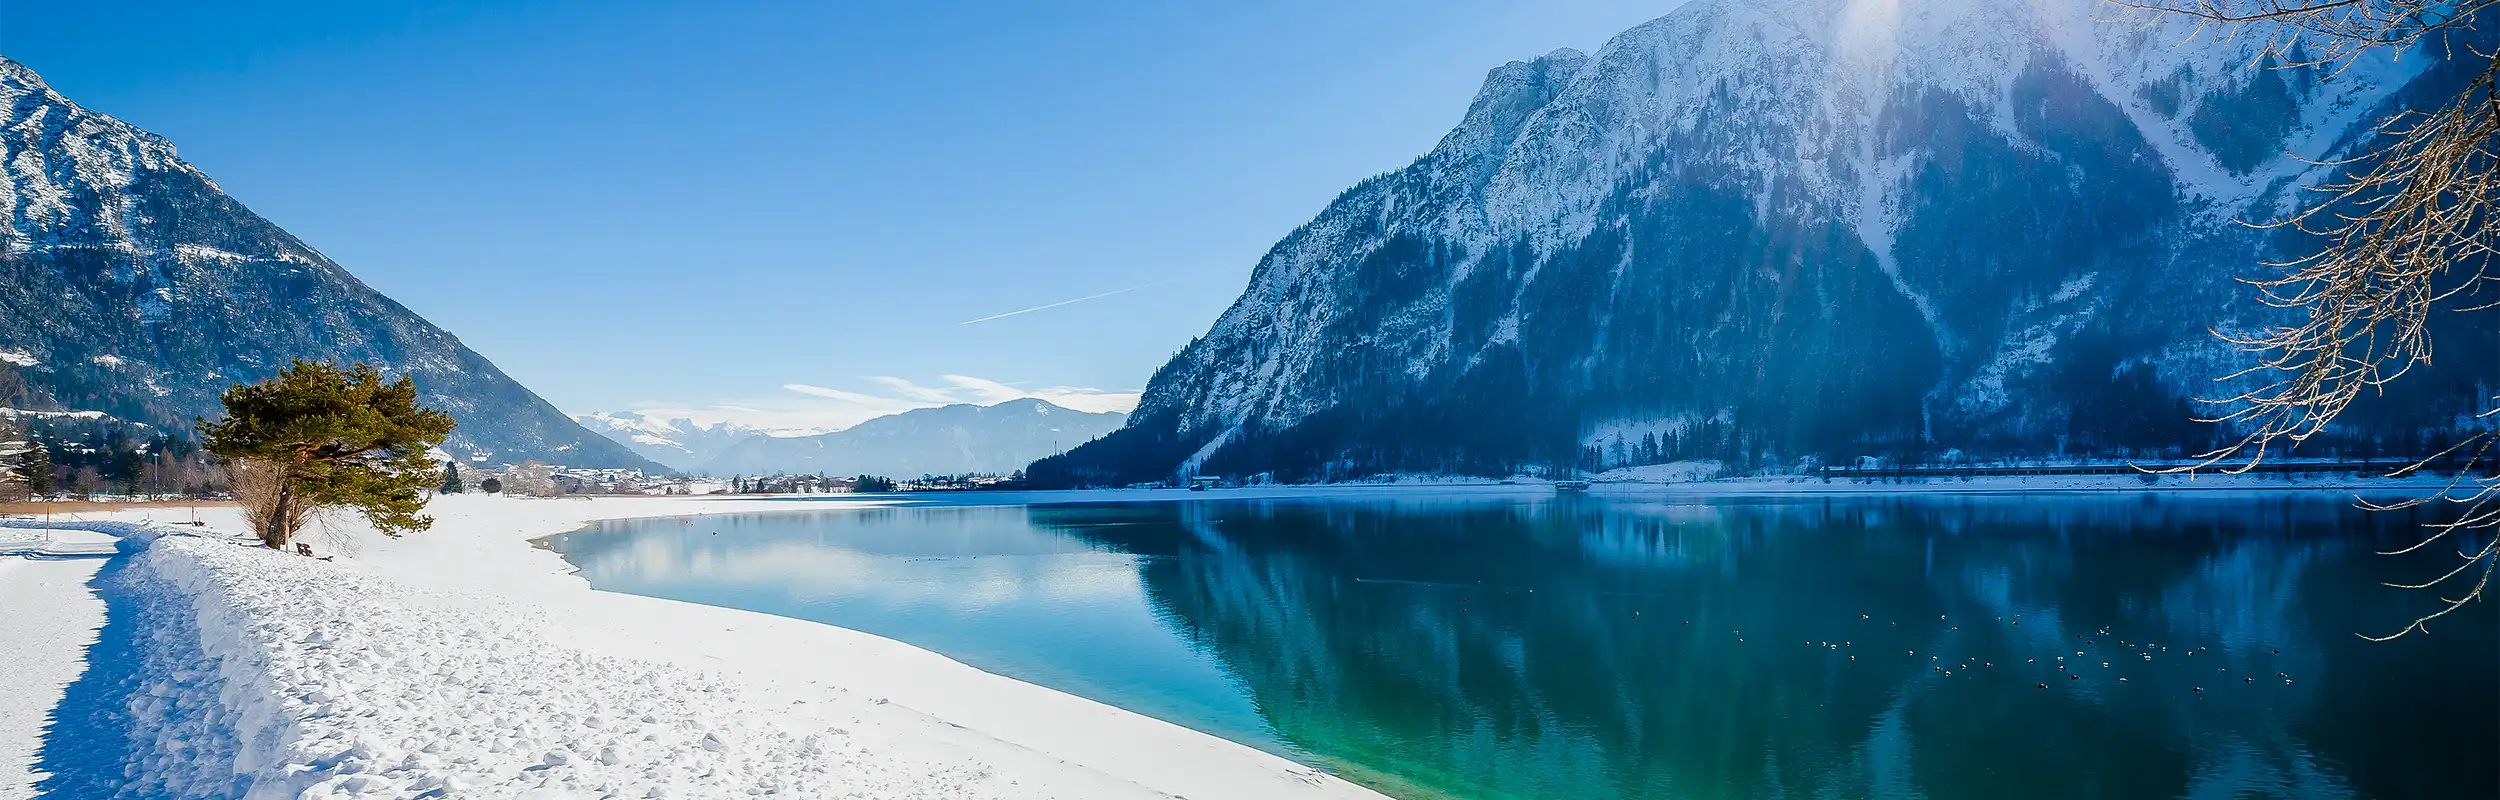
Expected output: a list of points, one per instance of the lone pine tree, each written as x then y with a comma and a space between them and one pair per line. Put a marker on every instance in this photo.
331, 437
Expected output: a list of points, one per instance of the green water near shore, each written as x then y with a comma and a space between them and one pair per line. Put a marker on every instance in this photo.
2101, 646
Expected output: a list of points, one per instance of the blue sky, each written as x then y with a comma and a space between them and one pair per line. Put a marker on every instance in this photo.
785, 212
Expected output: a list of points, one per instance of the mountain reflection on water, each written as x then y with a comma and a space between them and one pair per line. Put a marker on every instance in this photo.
1531, 647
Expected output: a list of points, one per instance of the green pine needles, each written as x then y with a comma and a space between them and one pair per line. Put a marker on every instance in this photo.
317, 436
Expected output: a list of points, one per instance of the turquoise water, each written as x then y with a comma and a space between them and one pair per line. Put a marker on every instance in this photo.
2130, 646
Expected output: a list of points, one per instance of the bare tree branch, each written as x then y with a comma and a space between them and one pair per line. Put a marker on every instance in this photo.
2334, 30
2405, 232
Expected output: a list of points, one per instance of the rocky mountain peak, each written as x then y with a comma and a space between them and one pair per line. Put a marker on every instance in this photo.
1511, 93
131, 285
1774, 230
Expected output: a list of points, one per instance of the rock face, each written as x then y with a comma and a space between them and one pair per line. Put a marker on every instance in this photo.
1762, 231
948, 440
129, 284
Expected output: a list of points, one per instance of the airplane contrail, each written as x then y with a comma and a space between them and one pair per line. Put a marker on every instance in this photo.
1067, 302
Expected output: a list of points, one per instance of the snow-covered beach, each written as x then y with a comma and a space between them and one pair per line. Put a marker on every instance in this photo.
462, 662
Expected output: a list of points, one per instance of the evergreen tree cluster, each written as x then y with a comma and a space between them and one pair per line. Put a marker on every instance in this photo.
86, 457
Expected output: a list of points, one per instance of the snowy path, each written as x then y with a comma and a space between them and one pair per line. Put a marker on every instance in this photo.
48, 618
31, 541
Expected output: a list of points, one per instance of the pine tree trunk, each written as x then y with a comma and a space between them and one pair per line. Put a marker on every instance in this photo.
275, 534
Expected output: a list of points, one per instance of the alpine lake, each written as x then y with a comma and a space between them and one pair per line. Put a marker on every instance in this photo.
1513, 644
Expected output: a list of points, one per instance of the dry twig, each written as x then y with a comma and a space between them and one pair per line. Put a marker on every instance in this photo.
2405, 231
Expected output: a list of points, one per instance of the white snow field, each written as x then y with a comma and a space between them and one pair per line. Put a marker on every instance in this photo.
461, 662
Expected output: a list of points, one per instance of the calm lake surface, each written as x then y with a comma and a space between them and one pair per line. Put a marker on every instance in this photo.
1519, 646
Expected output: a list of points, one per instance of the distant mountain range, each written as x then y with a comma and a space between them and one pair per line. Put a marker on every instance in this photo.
131, 285
948, 440
674, 440
1763, 232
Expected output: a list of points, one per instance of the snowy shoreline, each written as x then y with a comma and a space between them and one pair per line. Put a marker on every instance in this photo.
396, 670
463, 662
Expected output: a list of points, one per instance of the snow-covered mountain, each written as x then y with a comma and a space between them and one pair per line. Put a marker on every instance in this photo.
947, 440
1762, 230
130, 284
675, 440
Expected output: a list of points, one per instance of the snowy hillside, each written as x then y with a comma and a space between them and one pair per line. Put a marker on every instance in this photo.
1757, 231
948, 440
131, 285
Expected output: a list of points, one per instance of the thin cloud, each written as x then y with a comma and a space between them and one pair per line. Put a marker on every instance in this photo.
983, 391
988, 390
913, 390
801, 421
834, 394
1048, 306
822, 409
1078, 398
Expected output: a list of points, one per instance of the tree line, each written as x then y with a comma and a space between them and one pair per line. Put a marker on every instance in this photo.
79, 459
